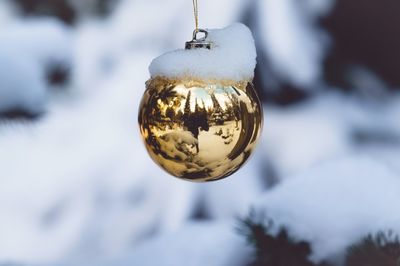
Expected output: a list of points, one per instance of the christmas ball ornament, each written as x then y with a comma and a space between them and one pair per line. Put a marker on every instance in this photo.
200, 117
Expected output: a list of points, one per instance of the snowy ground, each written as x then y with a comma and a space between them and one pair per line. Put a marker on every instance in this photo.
77, 186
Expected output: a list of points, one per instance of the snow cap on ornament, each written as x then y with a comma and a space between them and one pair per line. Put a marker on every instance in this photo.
229, 54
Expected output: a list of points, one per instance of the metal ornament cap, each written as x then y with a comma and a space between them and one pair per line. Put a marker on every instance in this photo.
200, 130
198, 43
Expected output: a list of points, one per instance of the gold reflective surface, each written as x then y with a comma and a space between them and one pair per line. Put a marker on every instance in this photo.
200, 131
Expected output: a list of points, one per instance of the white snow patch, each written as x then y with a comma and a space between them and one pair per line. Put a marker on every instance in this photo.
298, 137
22, 85
232, 58
292, 44
45, 40
7, 12
27, 49
196, 244
336, 204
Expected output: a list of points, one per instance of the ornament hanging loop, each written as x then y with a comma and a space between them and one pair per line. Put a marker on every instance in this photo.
197, 31
202, 42
197, 43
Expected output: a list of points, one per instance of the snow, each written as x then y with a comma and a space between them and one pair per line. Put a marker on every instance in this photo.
335, 204
292, 42
302, 135
27, 50
7, 12
44, 40
324, 127
22, 85
227, 60
225, 247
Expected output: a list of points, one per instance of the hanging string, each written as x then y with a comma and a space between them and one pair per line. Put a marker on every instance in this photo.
196, 14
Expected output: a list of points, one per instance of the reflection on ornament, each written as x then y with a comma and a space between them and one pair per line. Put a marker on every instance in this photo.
200, 130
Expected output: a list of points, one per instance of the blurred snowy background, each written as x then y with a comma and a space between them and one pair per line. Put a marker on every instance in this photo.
76, 184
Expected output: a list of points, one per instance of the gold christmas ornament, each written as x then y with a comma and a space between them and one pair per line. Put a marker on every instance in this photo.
197, 128
200, 131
